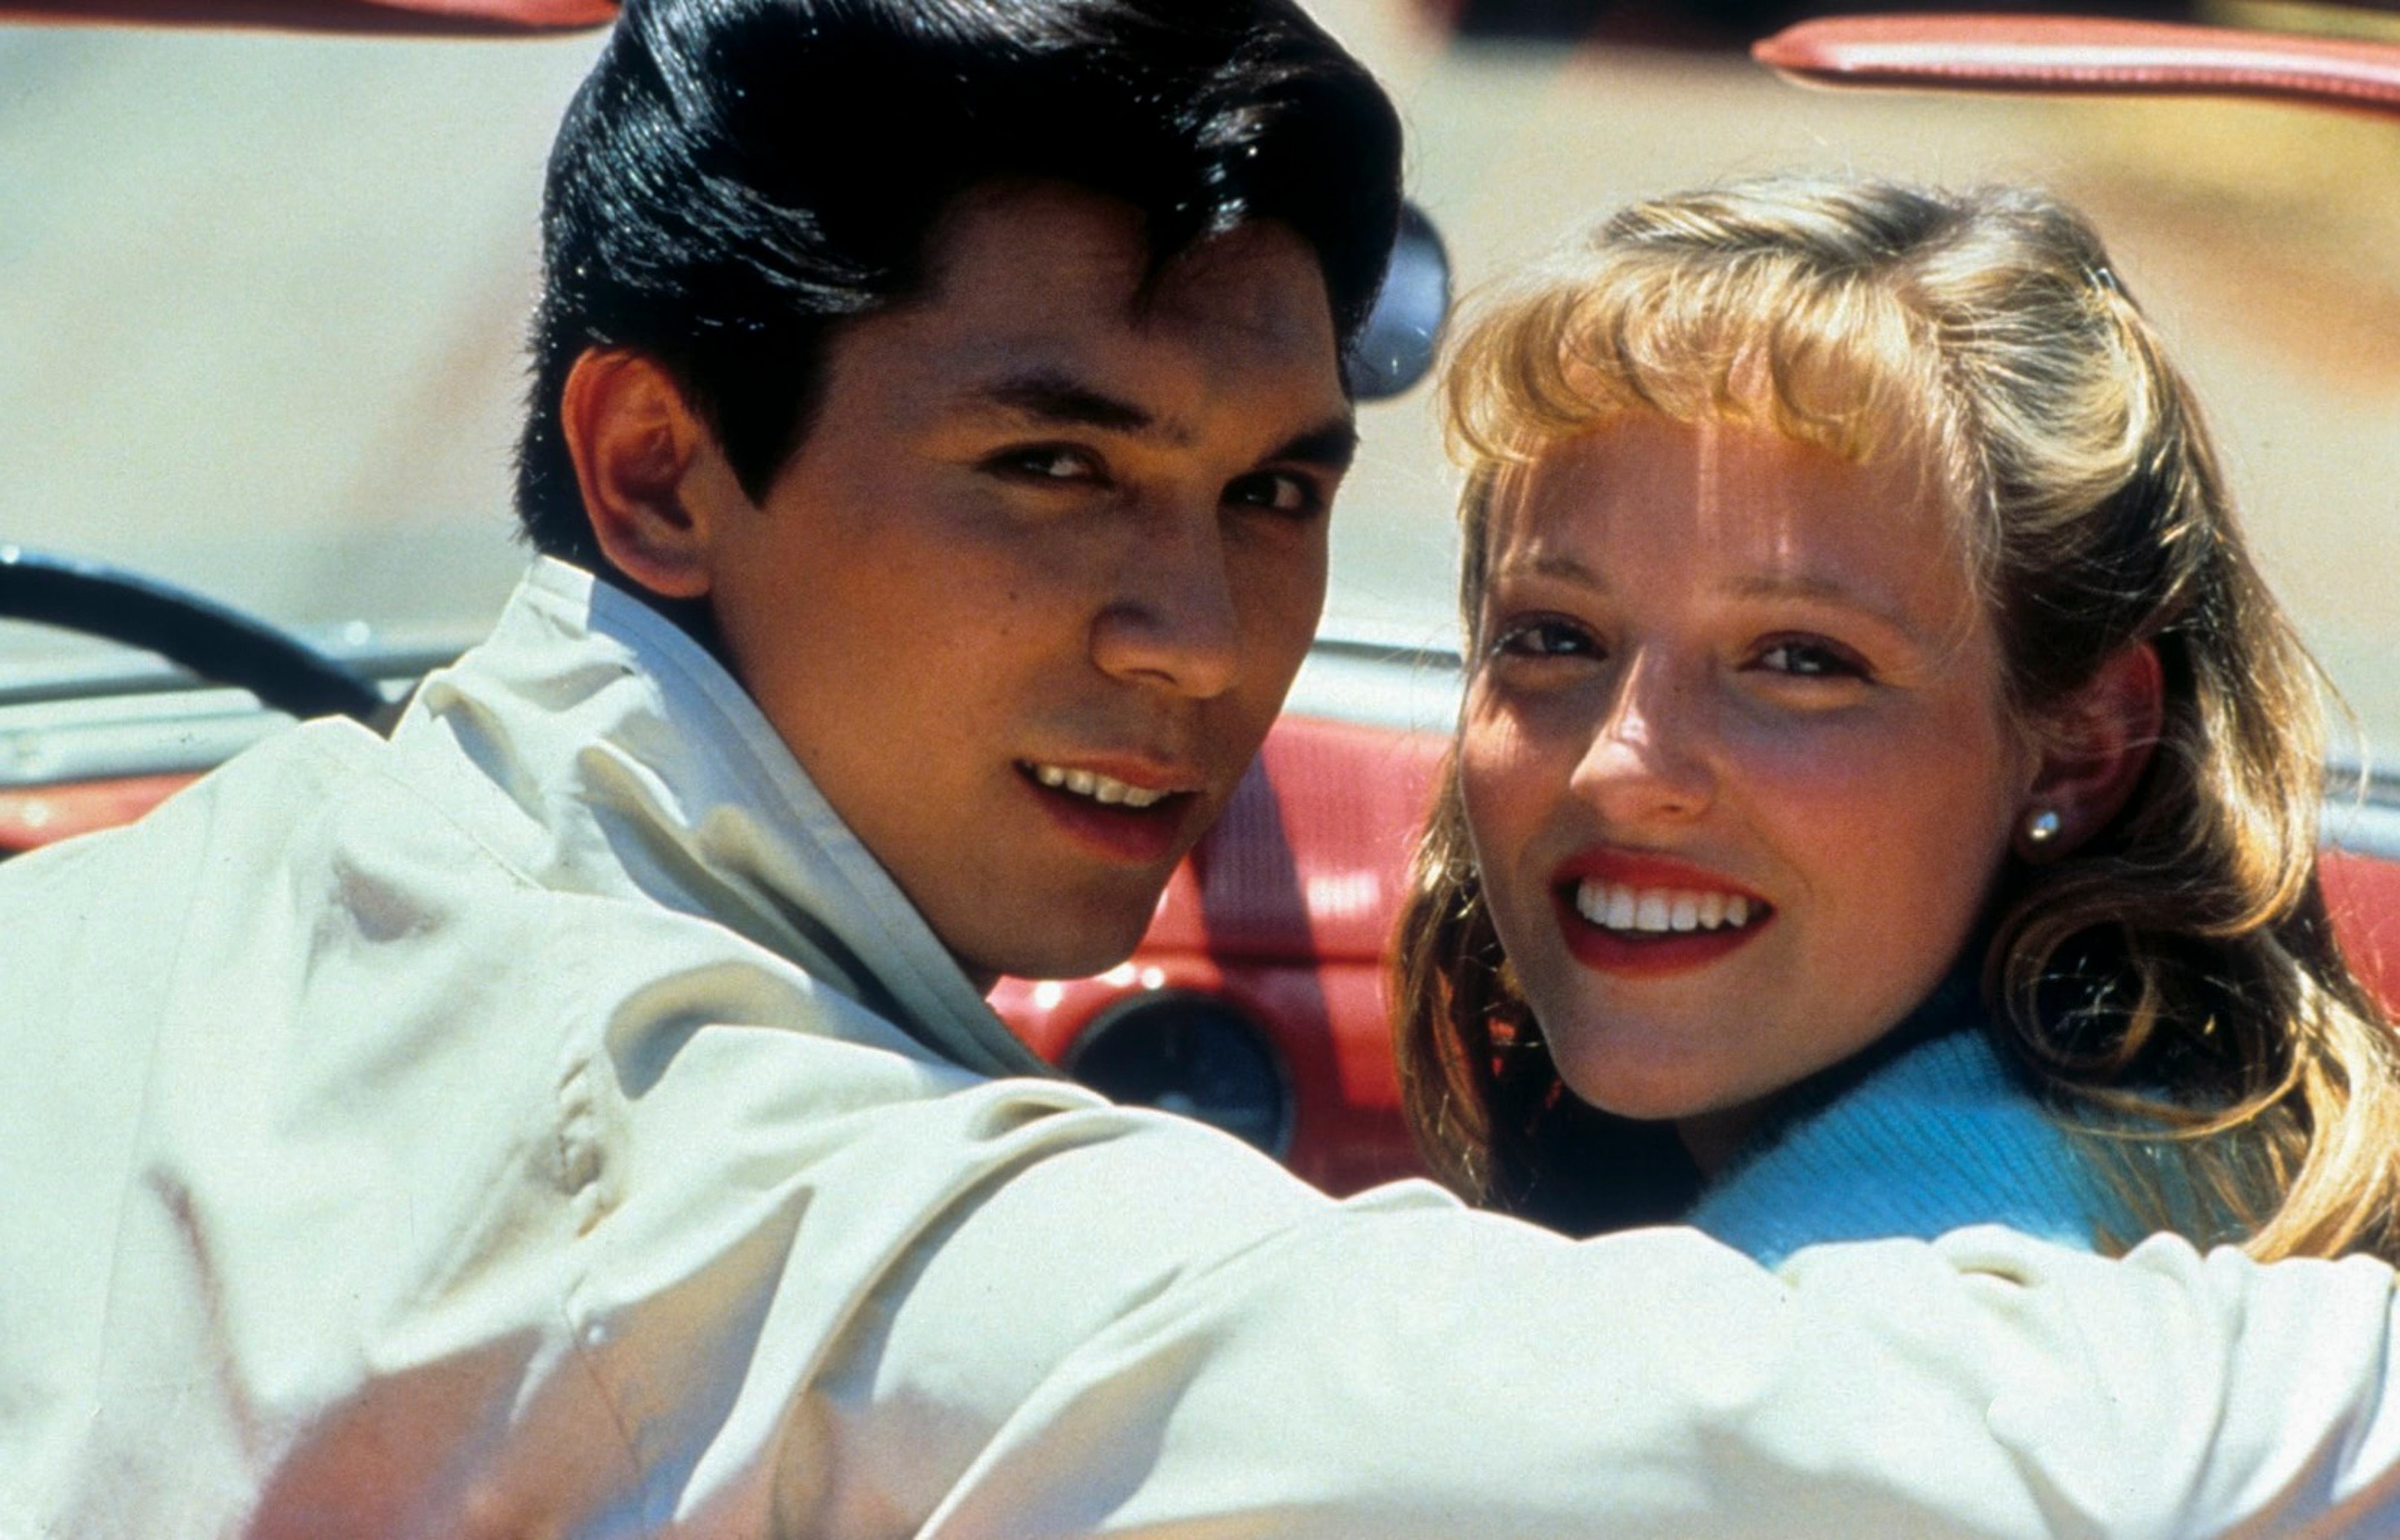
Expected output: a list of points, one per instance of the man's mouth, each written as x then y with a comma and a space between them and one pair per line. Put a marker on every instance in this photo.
1110, 816
1627, 909
1107, 790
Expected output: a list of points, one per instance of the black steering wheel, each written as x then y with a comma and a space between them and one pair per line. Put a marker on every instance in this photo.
217, 643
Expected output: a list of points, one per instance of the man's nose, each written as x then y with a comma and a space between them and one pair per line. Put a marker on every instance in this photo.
1172, 621
1649, 760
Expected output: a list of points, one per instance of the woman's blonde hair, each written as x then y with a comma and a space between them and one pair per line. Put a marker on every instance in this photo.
2173, 986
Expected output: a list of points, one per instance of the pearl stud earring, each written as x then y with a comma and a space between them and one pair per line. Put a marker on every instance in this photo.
2042, 826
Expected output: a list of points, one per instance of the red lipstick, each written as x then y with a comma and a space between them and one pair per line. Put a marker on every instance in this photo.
1636, 953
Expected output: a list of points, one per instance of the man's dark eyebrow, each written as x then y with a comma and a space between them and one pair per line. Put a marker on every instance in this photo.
1053, 397
1332, 446
1059, 398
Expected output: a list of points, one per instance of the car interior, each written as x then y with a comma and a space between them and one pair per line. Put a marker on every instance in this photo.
1255, 1001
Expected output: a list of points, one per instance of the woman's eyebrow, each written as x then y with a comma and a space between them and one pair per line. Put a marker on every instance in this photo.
1554, 564
1562, 567
1822, 590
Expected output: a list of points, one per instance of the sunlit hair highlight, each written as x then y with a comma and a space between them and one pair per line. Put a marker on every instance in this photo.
2173, 986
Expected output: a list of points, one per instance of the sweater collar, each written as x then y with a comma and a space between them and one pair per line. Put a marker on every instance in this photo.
1954, 1011
644, 768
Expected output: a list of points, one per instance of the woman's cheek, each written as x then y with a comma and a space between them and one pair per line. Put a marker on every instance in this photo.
1506, 778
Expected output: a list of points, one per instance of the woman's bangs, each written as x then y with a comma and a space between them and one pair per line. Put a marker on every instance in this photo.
1826, 362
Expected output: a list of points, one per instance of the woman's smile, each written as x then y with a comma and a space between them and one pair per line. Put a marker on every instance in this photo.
1637, 914
1659, 911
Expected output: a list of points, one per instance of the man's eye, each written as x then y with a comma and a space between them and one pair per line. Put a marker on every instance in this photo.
1047, 462
1546, 638
1812, 660
1279, 492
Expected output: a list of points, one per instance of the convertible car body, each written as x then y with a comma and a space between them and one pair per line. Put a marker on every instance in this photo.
1256, 999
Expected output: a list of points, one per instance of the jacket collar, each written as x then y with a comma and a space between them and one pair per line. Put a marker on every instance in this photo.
627, 761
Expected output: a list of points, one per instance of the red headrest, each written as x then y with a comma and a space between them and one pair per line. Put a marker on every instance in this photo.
441, 17
2076, 54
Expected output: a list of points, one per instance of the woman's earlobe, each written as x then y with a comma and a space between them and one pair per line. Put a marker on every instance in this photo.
2098, 741
635, 442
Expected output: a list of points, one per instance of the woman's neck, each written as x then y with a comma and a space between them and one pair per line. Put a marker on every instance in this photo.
1712, 1138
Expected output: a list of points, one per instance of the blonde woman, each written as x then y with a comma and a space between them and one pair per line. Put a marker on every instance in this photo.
1886, 797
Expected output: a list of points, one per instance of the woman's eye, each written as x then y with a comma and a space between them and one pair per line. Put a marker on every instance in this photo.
1545, 639
1277, 491
1809, 659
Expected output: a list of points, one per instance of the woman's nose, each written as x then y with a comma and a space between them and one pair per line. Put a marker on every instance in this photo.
1647, 759
1173, 621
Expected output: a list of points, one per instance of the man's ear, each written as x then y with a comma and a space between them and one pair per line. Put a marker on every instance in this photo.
641, 455
2096, 743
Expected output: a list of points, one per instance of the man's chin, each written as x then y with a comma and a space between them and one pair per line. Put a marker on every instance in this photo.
1061, 949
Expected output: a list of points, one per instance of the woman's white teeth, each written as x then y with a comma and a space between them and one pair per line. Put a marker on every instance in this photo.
1616, 906
1099, 788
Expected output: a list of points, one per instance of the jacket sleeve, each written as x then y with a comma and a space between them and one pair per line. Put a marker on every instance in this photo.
988, 1310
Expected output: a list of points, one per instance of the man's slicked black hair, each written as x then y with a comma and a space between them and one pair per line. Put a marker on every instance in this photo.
737, 178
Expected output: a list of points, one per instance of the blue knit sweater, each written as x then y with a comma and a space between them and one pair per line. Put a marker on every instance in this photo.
1926, 1132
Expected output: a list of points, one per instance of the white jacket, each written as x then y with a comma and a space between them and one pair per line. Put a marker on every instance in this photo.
553, 1122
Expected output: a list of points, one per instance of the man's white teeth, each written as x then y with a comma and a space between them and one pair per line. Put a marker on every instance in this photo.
1616, 906
1099, 788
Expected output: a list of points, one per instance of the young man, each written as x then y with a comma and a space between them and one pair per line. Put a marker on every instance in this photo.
578, 1116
